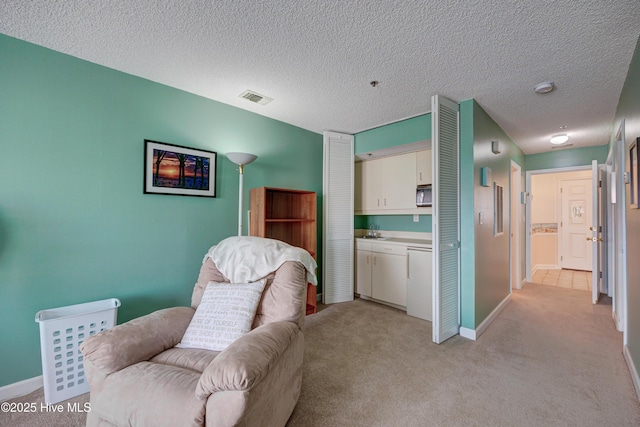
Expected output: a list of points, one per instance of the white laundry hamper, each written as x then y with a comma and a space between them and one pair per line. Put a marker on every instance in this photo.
62, 331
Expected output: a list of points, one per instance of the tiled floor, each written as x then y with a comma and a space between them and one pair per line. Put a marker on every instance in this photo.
572, 279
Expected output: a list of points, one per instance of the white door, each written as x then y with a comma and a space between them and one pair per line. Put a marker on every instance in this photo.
446, 218
337, 203
595, 228
576, 205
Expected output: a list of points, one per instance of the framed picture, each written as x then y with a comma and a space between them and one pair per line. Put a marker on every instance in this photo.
633, 173
173, 169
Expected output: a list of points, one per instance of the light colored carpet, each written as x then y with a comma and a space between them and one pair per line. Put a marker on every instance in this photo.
549, 359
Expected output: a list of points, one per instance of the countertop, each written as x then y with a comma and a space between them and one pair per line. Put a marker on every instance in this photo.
418, 243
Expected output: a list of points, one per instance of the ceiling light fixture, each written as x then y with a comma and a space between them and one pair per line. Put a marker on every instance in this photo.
544, 87
560, 138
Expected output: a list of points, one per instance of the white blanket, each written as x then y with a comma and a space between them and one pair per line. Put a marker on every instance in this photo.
243, 259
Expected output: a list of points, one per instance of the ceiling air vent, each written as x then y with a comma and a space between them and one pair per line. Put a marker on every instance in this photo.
556, 147
255, 97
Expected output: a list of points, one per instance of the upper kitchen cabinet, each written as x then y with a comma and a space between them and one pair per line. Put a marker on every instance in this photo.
424, 168
387, 185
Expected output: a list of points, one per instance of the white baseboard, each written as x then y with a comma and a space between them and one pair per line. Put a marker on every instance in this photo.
474, 334
632, 369
20, 388
467, 333
547, 267
617, 321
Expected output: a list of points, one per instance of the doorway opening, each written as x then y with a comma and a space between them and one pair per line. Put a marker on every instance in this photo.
558, 218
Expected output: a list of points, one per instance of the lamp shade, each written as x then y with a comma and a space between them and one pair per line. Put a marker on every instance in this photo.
241, 158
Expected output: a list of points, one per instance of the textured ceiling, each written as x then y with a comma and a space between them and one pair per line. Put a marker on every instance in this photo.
316, 58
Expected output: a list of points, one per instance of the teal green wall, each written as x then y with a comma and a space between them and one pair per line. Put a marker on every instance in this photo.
398, 133
74, 223
484, 274
467, 222
567, 158
629, 110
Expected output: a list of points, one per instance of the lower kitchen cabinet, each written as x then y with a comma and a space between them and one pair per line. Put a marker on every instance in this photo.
419, 289
381, 272
364, 262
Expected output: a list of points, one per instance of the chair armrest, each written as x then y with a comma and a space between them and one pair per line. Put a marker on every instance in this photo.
248, 360
137, 340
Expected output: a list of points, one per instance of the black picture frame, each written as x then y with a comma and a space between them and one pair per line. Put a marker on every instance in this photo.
177, 170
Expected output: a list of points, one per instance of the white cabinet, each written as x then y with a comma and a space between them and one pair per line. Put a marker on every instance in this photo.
389, 278
399, 182
386, 184
367, 180
364, 263
381, 271
358, 187
419, 289
424, 168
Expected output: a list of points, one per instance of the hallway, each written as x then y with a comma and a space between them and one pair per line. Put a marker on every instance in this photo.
569, 279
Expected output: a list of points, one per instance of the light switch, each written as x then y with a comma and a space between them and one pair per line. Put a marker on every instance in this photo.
416, 218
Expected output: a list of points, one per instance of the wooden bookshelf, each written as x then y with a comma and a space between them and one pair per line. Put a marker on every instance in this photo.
287, 215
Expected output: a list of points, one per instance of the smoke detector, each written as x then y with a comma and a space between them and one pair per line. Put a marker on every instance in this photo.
544, 87
255, 97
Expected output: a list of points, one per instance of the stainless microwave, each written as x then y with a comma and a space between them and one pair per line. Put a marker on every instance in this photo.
423, 196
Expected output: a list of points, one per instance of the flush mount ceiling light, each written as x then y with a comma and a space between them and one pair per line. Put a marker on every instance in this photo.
560, 138
544, 87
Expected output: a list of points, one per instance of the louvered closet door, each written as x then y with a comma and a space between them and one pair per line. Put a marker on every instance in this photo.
446, 219
337, 200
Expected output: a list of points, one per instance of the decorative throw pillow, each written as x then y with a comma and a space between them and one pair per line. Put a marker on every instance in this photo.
225, 314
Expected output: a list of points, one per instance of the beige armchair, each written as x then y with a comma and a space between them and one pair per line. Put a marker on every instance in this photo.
137, 376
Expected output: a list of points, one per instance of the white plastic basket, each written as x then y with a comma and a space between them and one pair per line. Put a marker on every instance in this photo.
62, 331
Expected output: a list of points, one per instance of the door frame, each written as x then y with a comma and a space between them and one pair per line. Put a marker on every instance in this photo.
620, 281
528, 236
516, 226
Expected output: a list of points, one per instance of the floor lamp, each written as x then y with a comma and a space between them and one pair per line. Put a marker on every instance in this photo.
241, 159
